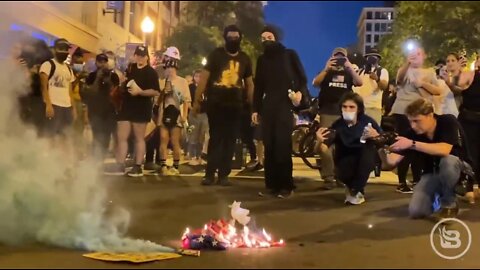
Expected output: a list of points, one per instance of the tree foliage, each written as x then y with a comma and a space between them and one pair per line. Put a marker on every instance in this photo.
203, 29
441, 27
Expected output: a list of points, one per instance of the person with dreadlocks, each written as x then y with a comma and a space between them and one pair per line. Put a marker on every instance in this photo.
173, 105
227, 74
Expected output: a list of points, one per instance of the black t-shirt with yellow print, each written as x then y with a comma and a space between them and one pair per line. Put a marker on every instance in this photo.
226, 81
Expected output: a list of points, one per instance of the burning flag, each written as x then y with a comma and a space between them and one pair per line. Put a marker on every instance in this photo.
220, 234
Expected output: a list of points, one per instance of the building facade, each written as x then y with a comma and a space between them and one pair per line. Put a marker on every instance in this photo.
372, 25
93, 26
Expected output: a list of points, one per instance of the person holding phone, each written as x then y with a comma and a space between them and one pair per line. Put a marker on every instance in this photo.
414, 82
354, 153
336, 79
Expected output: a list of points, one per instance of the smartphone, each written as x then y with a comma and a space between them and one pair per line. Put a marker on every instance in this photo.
340, 62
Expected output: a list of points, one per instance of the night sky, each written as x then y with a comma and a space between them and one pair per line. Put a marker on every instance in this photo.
314, 29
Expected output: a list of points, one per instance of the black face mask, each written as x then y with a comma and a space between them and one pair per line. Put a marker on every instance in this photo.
372, 60
232, 45
61, 56
268, 43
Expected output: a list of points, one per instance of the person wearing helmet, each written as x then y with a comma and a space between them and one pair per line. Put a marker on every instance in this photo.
173, 105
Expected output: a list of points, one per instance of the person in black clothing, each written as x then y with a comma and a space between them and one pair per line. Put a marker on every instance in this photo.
278, 71
101, 112
354, 154
228, 72
334, 81
136, 110
468, 84
435, 140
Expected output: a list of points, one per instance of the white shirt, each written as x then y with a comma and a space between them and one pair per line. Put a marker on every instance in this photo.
369, 91
59, 84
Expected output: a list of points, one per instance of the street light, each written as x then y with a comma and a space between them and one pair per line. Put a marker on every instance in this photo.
147, 25
204, 61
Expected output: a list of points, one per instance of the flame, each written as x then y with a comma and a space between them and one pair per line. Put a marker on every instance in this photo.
268, 237
246, 240
227, 234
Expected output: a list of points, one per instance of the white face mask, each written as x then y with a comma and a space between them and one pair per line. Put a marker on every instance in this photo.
77, 67
349, 116
111, 63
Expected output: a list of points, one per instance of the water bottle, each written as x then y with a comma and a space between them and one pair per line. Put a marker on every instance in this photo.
363, 139
291, 94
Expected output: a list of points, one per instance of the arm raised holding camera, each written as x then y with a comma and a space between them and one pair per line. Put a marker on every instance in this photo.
321, 76
357, 80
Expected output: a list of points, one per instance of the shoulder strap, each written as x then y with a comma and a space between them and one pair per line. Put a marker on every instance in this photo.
52, 68
379, 71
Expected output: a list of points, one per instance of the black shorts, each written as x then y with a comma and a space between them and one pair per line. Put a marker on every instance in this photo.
61, 122
136, 113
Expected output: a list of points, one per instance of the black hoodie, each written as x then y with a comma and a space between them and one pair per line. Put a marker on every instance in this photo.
278, 70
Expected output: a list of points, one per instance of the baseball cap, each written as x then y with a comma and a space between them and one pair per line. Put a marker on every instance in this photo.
101, 58
61, 45
340, 50
172, 52
141, 50
373, 52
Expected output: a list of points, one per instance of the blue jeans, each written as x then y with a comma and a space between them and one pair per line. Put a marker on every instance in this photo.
442, 183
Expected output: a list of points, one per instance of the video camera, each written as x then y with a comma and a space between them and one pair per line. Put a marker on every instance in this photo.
385, 139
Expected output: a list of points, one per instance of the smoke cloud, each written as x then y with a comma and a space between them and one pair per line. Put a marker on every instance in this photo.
41, 201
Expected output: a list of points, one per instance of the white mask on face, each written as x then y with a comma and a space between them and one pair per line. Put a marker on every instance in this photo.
348, 116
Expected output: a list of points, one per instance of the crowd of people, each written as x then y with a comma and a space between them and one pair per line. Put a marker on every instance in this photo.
141, 113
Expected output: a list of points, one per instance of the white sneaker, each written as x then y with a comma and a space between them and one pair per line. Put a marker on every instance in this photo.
194, 162
355, 200
174, 172
165, 171
372, 175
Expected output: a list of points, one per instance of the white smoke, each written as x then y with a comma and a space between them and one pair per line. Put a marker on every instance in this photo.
42, 202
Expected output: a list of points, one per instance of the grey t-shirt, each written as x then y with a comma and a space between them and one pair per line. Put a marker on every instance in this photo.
408, 93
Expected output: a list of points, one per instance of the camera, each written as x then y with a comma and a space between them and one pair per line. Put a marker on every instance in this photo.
340, 62
368, 68
385, 139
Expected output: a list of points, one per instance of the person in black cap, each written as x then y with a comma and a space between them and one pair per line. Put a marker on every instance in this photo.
278, 71
101, 111
375, 81
227, 73
56, 79
136, 110
335, 80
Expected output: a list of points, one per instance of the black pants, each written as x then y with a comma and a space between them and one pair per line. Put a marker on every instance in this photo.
102, 129
354, 168
153, 145
277, 131
402, 126
472, 135
247, 132
224, 125
32, 111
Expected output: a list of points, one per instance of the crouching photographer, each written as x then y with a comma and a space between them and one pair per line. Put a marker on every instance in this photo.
355, 150
435, 140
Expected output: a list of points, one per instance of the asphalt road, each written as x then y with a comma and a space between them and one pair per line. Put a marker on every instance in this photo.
320, 231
